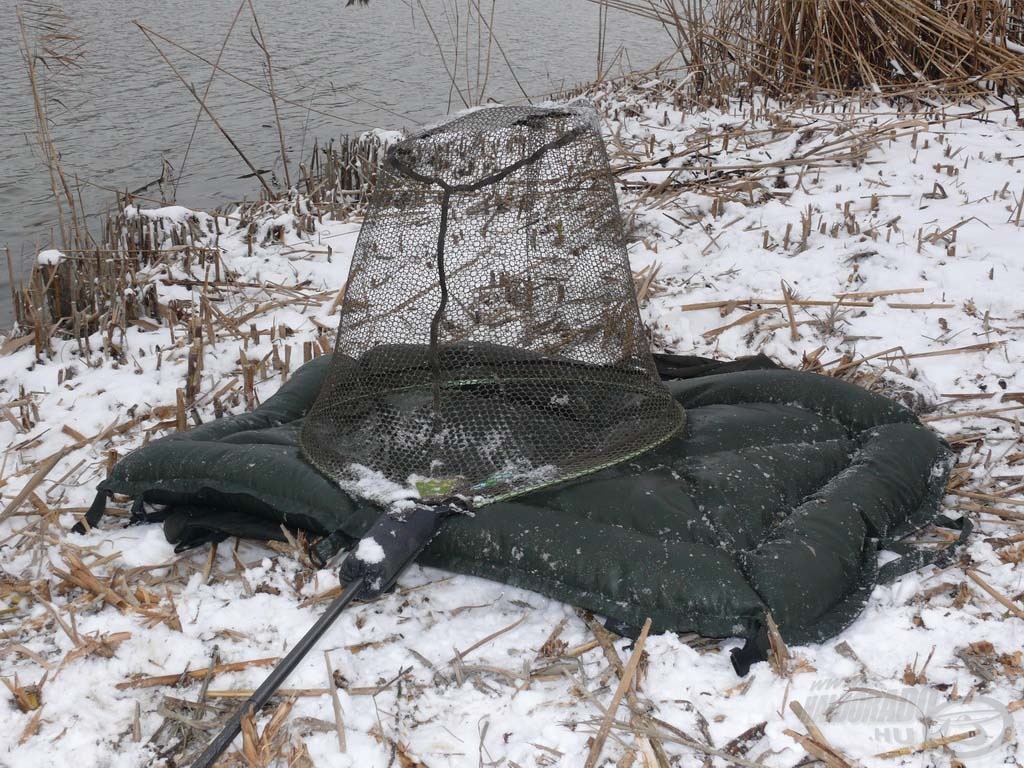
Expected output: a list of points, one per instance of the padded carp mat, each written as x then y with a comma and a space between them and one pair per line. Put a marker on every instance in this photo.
776, 496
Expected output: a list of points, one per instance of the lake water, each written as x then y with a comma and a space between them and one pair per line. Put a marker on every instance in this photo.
124, 113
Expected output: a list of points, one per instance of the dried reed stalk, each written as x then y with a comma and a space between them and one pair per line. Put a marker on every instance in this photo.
789, 47
46, 38
206, 94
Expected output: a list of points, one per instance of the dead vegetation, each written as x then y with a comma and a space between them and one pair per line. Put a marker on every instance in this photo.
51, 50
798, 47
101, 283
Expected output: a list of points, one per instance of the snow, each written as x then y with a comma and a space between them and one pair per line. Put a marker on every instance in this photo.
373, 485
50, 257
934, 208
369, 551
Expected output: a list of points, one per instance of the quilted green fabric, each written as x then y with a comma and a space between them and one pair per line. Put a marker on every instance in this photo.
776, 497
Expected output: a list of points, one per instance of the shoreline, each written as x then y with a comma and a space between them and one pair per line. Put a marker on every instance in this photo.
848, 238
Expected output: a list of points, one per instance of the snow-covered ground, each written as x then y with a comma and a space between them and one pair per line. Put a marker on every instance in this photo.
877, 244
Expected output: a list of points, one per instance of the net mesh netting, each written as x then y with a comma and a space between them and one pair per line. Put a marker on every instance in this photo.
490, 341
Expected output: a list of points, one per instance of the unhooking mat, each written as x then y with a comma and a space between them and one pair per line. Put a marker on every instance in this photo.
777, 496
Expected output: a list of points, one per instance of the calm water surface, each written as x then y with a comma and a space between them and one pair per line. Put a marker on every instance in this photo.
124, 114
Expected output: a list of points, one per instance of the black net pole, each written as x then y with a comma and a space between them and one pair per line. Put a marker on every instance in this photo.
396, 539
277, 677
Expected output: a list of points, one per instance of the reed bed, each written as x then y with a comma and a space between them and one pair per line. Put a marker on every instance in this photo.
793, 47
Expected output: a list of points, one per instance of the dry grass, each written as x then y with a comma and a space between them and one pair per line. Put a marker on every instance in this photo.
794, 47
105, 285
51, 50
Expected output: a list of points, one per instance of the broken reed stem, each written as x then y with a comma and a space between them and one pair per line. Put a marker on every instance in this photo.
603, 638
12, 285
825, 754
994, 593
748, 317
973, 414
983, 347
787, 295
624, 682
1002, 514
460, 655
928, 745
262, 44
206, 94
809, 724
753, 301
878, 294
903, 355
1003, 396
339, 715
196, 674
202, 105
988, 497
245, 693
779, 656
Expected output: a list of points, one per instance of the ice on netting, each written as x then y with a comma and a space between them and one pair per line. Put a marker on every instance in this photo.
490, 341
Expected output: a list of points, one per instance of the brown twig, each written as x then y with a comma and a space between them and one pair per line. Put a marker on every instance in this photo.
625, 681
202, 105
195, 674
994, 593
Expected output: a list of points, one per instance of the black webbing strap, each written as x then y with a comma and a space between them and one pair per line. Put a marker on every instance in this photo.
756, 648
94, 513
622, 629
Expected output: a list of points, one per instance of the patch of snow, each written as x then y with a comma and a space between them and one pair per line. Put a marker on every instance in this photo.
50, 257
369, 551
